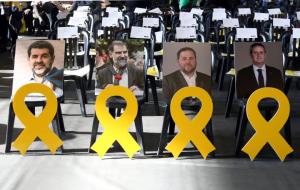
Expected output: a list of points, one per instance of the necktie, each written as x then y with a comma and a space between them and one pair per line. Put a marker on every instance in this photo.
260, 78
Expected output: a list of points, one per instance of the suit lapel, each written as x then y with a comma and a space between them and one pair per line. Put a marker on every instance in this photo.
182, 82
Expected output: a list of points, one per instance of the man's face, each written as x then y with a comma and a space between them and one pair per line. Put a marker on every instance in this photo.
40, 61
258, 56
119, 55
187, 62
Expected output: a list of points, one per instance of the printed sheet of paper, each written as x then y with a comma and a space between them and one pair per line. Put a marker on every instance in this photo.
140, 32
186, 33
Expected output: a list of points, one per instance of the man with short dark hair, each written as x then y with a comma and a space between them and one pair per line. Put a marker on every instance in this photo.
186, 75
118, 71
258, 74
40, 58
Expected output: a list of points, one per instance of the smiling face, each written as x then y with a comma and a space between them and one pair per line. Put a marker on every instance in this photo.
187, 62
119, 55
258, 56
40, 61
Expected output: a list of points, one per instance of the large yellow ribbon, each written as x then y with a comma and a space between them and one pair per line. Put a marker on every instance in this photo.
36, 126
116, 129
267, 131
191, 130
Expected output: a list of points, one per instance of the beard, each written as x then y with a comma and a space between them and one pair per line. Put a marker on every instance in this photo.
44, 67
121, 63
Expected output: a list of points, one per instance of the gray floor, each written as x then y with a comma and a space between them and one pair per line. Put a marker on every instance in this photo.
77, 169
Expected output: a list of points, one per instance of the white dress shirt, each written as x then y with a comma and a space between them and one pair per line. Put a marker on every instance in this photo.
191, 81
263, 68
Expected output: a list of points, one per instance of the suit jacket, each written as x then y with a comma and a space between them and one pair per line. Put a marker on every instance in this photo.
246, 82
135, 76
175, 81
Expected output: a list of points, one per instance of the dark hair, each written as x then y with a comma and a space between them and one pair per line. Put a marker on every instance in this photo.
116, 43
41, 45
185, 49
257, 45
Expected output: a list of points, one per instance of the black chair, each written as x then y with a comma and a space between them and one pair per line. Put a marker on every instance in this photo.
266, 105
57, 122
169, 125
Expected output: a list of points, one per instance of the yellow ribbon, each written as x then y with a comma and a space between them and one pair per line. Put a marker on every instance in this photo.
191, 130
116, 129
267, 131
35, 126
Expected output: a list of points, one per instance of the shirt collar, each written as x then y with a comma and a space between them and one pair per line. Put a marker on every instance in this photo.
189, 78
263, 68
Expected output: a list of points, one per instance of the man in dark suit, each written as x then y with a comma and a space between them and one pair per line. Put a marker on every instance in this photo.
119, 72
186, 76
258, 74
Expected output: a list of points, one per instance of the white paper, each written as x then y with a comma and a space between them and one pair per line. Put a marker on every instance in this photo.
219, 15
78, 14
261, 16
246, 33
140, 32
281, 22
185, 15
197, 11
222, 10
244, 11
296, 33
150, 22
100, 32
67, 32
118, 15
112, 9
231, 22
156, 10
83, 8
188, 23
275, 11
108, 22
73, 21
186, 33
298, 15
158, 37
61, 15
138, 10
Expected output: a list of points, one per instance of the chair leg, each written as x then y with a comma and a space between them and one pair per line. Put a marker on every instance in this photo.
79, 91
164, 133
230, 97
210, 135
139, 130
171, 126
287, 131
55, 125
60, 118
288, 82
242, 130
222, 74
10, 128
92, 65
94, 132
219, 66
238, 121
154, 94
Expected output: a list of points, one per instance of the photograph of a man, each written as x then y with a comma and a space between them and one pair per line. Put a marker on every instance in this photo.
258, 74
40, 58
186, 75
119, 71
36, 62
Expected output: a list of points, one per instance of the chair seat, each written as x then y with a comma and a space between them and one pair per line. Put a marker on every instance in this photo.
231, 72
290, 54
225, 55
118, 102
78, 72
291, 73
